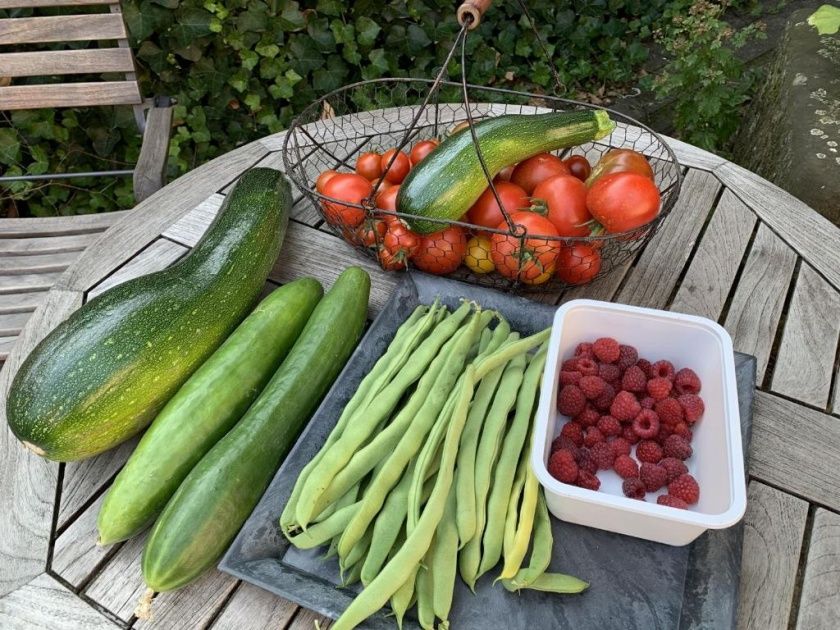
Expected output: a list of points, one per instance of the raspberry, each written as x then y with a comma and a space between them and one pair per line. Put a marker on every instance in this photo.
645, 365
674, 467
609, 371
627, 356
681, 429
633, 488
693, 407
664, 432
603, 455
662, 369
626, 467
592, 386
609, 426
620, 446
584, 349
670, 411
625, 406
659, 388
686, 381
562, 442
571, 400
677, 446
649, 451
573, 432
588, 480
567, 377
685, 487
587, 366
585, 461
562, 466
606, 349
629, 434
653, 476
569, 365
606, 398
588, 417
672, 501
592, 436
646, 424
647, 402
634, 380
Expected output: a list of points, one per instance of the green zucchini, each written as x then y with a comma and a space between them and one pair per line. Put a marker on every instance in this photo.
204, 409
103, 374
450, 179
215, 499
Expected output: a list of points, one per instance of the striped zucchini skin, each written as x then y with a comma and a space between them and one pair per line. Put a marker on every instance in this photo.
219, 494
104, 373
450, 179
205, 409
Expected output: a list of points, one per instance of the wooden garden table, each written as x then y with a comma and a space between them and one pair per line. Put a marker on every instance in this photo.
735, 248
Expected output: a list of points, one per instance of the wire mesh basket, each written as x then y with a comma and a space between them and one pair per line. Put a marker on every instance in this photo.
333, 131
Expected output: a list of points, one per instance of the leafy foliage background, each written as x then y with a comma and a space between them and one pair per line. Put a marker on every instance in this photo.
241, 69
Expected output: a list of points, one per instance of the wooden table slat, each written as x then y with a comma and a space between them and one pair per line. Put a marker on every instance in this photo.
21, 302
715, 264
119, 585
23, 282
253, 607
759, 297
805, 363
76, 555
55, 62
198, 603
159, 255
12, 323
46, 244
774, 528
819, 608
37, 263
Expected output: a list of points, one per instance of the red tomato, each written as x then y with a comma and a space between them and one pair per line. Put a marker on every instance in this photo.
486, 212
387, 199
578, 166
565, 201
623, 201
322, 180
421, 150
371, 232
578, 264
390, 261
441, 252
531, 172
368, 165
399, 169
505, 173
348, 187
384, 184
400, 240
531, 262
620, 161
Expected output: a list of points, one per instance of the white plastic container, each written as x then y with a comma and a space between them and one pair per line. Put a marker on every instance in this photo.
717, 462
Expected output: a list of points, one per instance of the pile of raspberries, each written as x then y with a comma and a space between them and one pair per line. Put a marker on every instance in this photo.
617, 401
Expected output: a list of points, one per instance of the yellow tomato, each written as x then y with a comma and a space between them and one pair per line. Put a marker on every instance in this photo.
478, 255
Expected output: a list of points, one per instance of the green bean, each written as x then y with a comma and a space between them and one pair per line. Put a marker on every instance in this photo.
398, 569
356, 554
508, 351
540, 550
488, 450
485, 339
512, 518
418, 420
444, 564
407, 337
515, 441
558, 583
352, 574
424, 588
518, 547
320, 533
362, 423
465, 478
403, 597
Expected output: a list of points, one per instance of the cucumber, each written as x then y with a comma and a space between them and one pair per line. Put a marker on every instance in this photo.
450, 179
215, 499
104, 373
204, 409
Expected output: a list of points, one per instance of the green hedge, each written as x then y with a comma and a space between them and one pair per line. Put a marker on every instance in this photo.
241, 69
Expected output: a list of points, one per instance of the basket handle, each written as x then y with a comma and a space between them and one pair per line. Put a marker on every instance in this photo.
474, 9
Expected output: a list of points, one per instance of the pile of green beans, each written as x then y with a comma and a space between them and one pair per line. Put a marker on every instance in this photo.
425, 475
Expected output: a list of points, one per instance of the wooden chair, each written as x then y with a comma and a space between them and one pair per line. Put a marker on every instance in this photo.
34, 252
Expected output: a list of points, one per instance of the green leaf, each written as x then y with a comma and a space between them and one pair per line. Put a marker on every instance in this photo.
253, 101
343, 33
329, 7
304, 54
367, 31
267, 50
330, 77
249, 59
191, 23
826, 20
9, 146
291, 18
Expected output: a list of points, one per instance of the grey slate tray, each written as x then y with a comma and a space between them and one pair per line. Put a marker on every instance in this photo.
634, 583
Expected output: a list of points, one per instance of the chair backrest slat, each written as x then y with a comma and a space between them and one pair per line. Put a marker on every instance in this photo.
69, 95
61, 28
55, 62
34, 4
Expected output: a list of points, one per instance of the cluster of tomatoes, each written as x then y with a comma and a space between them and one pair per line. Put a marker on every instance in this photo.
545, 198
